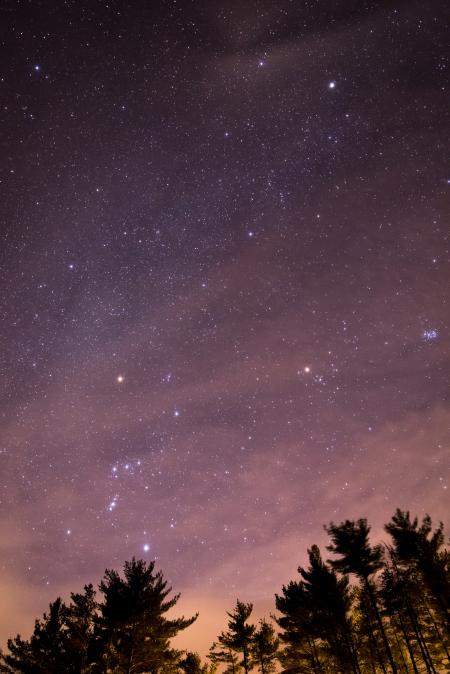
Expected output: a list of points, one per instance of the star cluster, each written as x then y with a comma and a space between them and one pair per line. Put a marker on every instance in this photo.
225, 280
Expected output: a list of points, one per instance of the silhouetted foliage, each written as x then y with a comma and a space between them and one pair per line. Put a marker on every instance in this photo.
264, 647
79, 619
238, 639
222, 654
316, 611
131, 627
192, 664
419, 549
48, 651
393, 617
127, 632
350, 540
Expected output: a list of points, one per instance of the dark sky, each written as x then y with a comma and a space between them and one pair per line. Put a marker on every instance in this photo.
225, 276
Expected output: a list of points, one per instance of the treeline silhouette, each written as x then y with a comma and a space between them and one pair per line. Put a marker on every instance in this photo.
392, 617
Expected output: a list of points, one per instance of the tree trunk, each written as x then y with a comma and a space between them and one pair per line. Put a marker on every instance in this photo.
373, 642
381, 627
436, 629
315, 660
245, 658
351, 650
421, 641
372, 655
408, 644
399, 646
262, 665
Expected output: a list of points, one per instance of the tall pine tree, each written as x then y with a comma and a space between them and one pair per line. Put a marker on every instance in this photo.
48, 651
238, 639
350, 540
132, 630
265, 647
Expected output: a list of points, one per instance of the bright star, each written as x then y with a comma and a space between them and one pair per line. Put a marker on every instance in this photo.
120, 379
146, 547
332, 85
307, 369
430, 335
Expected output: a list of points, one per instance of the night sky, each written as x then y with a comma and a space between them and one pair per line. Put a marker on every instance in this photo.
225, 276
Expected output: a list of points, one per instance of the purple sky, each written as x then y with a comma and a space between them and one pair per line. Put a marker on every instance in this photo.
224, 289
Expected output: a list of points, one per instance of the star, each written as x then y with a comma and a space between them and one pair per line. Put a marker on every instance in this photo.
175, 271
430, 335
112, 504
